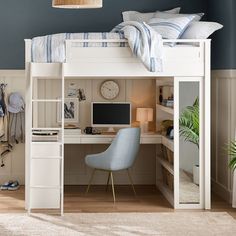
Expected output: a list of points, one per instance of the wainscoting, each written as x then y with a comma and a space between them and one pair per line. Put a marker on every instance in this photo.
139, 92
15, 161
223, 129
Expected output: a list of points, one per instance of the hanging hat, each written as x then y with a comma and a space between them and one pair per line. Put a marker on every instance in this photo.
16, 103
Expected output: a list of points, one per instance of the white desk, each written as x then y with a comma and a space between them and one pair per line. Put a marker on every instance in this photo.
107, 139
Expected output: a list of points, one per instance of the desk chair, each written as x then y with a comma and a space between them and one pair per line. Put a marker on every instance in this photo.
120, 155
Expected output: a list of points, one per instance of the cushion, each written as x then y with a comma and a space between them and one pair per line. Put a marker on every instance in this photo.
166, 15
201, 30
171, 28
144, 17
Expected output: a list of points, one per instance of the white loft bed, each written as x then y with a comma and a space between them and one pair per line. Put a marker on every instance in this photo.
187, 61
190, 58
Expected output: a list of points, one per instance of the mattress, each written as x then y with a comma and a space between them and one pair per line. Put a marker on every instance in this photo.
51, 48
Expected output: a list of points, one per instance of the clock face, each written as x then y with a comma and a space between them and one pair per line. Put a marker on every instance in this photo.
110, 89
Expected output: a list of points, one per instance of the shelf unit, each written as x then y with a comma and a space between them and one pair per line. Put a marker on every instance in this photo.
168, 110
166, 165
166, 192
165, 169
45, 156
169, 143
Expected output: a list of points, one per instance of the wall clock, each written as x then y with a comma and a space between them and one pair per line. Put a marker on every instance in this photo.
109, 89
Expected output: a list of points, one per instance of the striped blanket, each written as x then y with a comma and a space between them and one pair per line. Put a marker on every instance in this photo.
144, 42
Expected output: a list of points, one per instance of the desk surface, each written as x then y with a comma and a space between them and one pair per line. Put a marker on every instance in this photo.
107, 139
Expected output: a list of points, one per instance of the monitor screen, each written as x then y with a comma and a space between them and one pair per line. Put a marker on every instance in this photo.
111, 114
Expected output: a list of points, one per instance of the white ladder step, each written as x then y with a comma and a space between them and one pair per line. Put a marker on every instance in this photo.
46, 187
56, 158
56, 129
46, 100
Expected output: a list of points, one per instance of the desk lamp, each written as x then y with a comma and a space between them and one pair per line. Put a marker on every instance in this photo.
144, 115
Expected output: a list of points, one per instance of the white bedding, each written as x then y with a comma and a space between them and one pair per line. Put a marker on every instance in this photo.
51, 48
144, 42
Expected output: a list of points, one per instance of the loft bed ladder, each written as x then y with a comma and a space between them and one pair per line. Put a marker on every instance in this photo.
45, 158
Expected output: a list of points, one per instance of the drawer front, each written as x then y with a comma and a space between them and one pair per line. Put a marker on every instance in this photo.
150, 140
45, 198
46, 150
45, 172
99, 140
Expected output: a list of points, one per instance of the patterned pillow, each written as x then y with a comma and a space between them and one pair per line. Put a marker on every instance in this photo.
171, 28
144, 17
166, 15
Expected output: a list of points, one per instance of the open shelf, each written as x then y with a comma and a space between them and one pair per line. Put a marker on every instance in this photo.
169, 143
168, 110
166, 165
166, 192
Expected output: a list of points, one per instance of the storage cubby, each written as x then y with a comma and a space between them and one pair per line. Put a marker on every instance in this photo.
164, 121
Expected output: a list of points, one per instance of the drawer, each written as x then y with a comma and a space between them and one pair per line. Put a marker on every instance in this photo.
99, 140
45, 198
46, 150
150, 140
45, 172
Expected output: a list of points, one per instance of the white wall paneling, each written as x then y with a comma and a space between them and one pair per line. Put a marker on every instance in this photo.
15, 161
139, 92
223, 129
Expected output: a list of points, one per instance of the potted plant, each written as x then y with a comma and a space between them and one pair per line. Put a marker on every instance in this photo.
232, 165
189, 130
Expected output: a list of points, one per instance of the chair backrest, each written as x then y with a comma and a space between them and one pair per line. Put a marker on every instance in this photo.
124, 149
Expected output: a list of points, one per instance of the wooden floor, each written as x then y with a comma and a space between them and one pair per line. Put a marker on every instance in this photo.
98, 200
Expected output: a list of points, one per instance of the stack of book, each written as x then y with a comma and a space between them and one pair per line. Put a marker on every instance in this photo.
45, 136
168, 103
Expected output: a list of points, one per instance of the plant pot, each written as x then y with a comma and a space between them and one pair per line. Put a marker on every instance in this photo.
196, 174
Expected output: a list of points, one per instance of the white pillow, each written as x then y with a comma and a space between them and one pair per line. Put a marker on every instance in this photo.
144, 17
171, 28
200, 30
164, 15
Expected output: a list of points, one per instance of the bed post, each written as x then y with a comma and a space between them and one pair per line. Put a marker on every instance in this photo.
27, 120
207, 102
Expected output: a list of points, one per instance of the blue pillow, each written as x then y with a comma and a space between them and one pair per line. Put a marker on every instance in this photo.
171, 28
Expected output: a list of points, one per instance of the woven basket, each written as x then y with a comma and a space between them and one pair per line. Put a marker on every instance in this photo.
77, 3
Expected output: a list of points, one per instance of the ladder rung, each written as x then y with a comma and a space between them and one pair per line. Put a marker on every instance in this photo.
46, 100
46, 187
47, 129
47, 158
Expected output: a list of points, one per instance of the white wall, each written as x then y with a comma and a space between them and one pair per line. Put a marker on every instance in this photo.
223, 129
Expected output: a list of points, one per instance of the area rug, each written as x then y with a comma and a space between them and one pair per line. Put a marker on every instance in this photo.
119, 224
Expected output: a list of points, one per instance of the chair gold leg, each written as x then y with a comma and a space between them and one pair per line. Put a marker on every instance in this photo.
113, 187
131, 181
90, 181
108, 180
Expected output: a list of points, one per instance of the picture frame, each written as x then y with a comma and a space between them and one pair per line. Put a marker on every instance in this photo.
71, 111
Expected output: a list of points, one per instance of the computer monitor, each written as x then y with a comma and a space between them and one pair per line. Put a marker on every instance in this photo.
111, 115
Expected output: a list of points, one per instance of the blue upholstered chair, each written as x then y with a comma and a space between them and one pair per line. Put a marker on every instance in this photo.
120, 155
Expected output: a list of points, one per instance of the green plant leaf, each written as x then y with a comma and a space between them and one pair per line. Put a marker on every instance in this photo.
189, 123
231, 147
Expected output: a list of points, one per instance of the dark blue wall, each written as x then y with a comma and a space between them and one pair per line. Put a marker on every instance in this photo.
20, 19
223, 41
